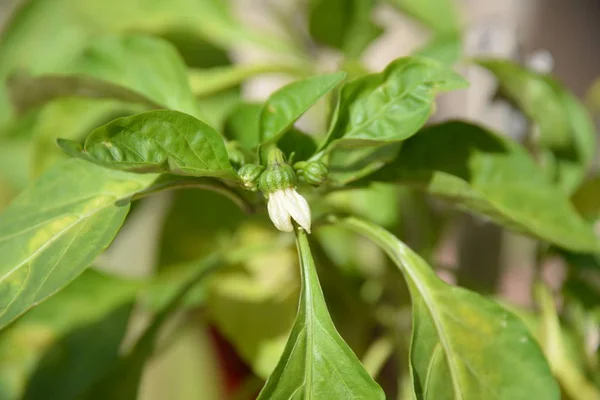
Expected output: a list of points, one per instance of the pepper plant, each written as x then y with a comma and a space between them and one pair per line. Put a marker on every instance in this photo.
129, 116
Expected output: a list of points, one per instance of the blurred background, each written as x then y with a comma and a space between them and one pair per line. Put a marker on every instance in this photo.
555, 36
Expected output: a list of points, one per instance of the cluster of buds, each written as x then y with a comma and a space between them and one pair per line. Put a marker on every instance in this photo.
278, 183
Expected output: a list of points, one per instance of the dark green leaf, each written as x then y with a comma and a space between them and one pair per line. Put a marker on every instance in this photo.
287, 104
493, 176
301, 144
56, 228
565, 127
439, 15
343, 24
77, 325
463, 346
138, 69
156, 141
391, 105
242, 124
316, 363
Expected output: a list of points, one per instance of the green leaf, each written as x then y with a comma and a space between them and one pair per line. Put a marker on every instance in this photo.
439, 15
316, 363
391, 105
444, 48
56, 228
343, 24
492, 176
156, 141
138, 69
463, 346
207, 81
286, 105
552, 339
242, 124
565, 127
77, 325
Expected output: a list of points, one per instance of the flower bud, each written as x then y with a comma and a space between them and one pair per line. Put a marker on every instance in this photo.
278, 175
249, 175
312, 172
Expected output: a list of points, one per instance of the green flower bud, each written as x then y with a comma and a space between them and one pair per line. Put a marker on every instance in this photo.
249, 175
312, 172
279, 175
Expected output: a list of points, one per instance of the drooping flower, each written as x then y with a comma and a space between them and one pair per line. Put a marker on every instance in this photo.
278, 184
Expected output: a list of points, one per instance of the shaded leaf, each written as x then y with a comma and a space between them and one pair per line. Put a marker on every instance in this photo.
463, 346
91, 308
138, 69
286, 105
343, 24
242, 124
316, 363
391, 105
156, 141
56, 228
492, 176
565, 127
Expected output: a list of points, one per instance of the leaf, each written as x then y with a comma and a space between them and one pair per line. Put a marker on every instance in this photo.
551, 337
463, 346
207, 81
439, 15
444, 48
242, 124
122, 382
391, 105
343, 24
132, 68
156, 141
565, 127
286, 105
316, 363
47, 338
56, 228
492, 176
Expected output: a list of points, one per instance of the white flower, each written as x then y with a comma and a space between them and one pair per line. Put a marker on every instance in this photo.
285, 204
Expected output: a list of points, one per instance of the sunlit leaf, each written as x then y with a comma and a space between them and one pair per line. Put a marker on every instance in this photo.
316, 363
391, 105
463, 346
156, 141
565, 127
440, 16
133, 68
56, 228
287, 104
492, 176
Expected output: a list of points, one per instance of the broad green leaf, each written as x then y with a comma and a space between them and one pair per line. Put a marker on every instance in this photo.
56, 228
156, 141
91, 308
463, 346
286, 105
207, 81
551, 337
565, 127
391, 105
492, 176
587, 198
347, 165
439, 15
316, 363
44, 35
343, 24
242, 124
132, 68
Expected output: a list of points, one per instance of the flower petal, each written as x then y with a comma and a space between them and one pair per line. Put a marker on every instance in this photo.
298, 208
277, 212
